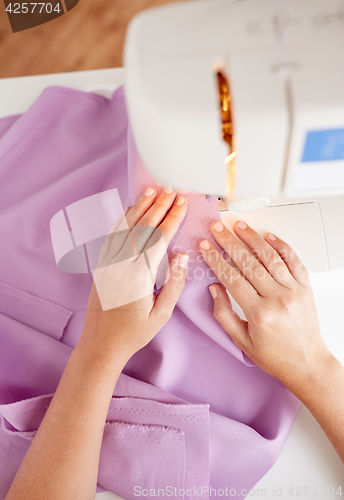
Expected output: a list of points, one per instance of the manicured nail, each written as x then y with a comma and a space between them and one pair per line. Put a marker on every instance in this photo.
218, 226
149, 191
213, 291
183, 261
168, 191
180, 201
272, 237
241, 224
205, 245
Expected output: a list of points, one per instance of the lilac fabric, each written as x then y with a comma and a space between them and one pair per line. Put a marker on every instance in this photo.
189, 412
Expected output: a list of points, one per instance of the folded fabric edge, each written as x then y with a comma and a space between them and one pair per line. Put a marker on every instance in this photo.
82, 93
36, 312
146, 427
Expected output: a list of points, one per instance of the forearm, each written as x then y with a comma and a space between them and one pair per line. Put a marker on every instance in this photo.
323, 395
63, 459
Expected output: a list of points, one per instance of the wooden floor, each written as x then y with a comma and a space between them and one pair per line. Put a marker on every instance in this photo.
90, 36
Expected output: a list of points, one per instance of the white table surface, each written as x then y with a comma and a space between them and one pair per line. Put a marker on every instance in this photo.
308, 459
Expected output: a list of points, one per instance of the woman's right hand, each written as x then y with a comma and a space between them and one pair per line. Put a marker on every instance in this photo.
281, 334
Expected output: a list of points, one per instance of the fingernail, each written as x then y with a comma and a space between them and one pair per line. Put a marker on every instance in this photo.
272, 237
213, 291
149, 191
183, 261
168, 191
205, 245
218, 226
180, 201
241, 224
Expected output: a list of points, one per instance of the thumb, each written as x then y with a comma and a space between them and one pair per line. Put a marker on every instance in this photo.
166, 300
226, 317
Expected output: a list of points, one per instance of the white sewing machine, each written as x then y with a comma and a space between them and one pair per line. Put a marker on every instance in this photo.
284, 68
244, 99
273, 67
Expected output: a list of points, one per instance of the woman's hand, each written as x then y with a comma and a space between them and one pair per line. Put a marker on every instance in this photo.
271, 285
67, 443
124, 277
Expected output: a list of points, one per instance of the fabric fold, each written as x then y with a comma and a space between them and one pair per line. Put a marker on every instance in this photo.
157, 445
36, 312
153, 456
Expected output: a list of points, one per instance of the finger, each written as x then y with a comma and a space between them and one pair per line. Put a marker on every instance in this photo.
266, 254
173, 219
167, 229
145, 226
156, 213
239, 288
227, 318
144, 232
290, 258
133, 215
117, 226
251, 268
171, 291
141, 206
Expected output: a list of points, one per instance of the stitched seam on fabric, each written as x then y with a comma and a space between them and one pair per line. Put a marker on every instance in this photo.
135, 438
174, 435
149, 427
158, 413
119, 398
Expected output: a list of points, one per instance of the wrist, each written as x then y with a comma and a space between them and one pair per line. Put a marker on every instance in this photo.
97, 356
315, 375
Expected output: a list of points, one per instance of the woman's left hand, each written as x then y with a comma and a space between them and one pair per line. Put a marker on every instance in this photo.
63, 459
121, 331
